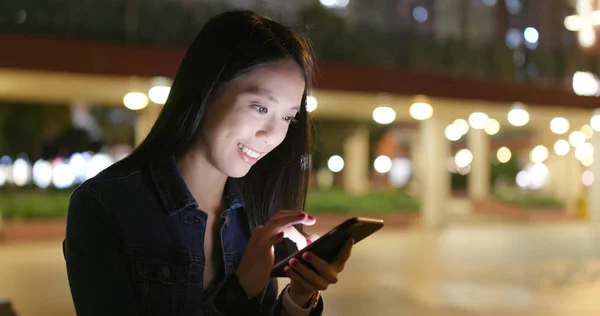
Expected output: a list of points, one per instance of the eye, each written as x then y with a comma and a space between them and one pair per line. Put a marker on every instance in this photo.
289, 119
261, 109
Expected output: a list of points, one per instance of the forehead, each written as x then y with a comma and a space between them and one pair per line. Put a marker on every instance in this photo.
274, 81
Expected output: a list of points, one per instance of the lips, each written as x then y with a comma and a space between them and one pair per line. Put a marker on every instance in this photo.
248, 154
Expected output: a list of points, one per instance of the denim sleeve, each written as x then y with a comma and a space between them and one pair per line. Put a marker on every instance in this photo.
98, 275
231, 300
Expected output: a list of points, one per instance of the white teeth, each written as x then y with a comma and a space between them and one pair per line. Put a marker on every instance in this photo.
249, 152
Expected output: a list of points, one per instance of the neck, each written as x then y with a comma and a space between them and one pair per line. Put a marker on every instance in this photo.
204, 181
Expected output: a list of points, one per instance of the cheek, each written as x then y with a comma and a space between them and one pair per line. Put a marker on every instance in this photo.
280, 135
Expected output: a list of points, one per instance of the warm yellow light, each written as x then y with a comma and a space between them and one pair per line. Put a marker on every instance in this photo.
561, 147
384, 115
478, 120
538, 154
503, 154
587, 161
463, 158
421, 111
452, 133
311, 103
559, 125
518, 115
461, 125
584, 151
595, 121
576, 138
492, 127
587, 131
135, 100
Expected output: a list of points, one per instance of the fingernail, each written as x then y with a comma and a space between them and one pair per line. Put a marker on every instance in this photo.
307, 255
294, 262
287, 269
302, 215
311, 218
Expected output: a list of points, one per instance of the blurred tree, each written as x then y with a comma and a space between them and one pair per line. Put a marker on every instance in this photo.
19, 124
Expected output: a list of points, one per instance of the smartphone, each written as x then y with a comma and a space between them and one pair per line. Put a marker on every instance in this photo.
329, 245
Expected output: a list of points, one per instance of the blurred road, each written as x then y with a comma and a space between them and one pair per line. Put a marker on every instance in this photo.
470, 268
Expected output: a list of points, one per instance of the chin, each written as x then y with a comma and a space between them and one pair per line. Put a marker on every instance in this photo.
237, 171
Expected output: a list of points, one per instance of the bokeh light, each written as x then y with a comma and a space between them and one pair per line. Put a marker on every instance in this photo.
559, 125
538, 154
585, 151
587, 178
561, 147
384, 115
42, 174
452, 133
492, 127
382, 164
135, 100
21, 172
576, 138
335, 163
518, 116
421, 111
587, 131
463, 158
312, 103
478, 120
503, 154
401, 172
462, 126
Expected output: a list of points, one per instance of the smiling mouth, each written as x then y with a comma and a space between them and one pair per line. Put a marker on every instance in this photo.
248, 154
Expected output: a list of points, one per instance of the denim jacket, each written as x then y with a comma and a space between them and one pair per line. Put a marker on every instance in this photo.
134, 246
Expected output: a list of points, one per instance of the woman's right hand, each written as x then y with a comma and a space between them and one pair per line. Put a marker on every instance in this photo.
258, 259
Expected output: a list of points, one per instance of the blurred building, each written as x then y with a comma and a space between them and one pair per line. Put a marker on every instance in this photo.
411, 93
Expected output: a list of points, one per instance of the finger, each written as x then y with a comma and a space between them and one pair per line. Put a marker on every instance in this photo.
310, 220
294, 235
276, 225
285, 213
298, 281
344, 255
309, 275
273, 240
324, 269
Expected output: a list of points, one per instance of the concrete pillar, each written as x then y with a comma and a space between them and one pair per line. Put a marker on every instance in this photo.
564, 178
594, 190
435, 181
572, 186
557, 172
478, 143
416, 154
145, 121
356, 161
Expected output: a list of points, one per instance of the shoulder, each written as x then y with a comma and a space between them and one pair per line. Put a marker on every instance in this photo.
122, 183
127, 170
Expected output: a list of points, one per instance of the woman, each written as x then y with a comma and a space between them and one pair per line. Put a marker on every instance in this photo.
186, 225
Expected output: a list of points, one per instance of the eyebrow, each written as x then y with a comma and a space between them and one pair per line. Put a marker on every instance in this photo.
269, 97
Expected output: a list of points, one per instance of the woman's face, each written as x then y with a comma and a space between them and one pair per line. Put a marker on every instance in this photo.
252, 116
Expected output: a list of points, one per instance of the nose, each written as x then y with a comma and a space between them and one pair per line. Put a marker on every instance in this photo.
269, 133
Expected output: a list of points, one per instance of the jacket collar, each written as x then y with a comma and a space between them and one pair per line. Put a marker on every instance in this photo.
173, 191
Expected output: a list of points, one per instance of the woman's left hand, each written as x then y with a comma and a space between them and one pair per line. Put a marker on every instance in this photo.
305, 281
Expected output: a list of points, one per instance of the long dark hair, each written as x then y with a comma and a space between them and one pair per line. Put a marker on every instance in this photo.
230, 45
